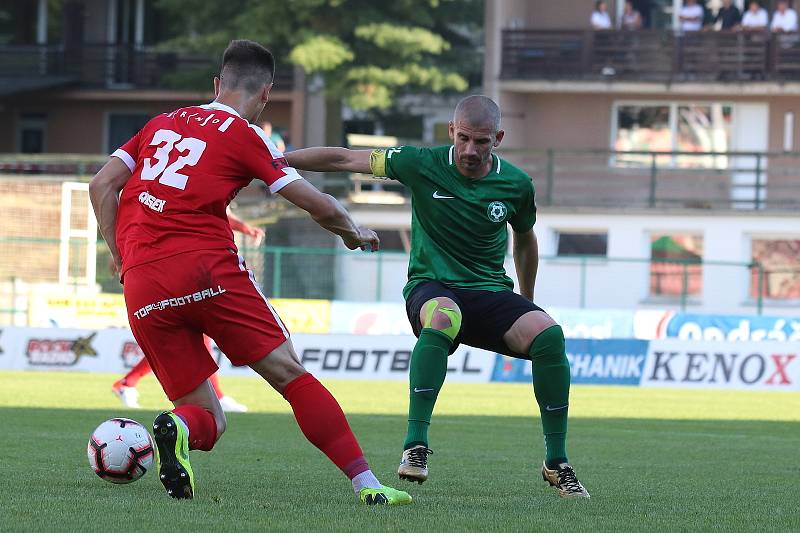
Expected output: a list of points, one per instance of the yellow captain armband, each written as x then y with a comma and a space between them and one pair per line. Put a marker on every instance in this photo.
377, 163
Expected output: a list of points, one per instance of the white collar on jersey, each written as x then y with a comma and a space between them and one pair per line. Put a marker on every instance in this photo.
453, 149
221, 107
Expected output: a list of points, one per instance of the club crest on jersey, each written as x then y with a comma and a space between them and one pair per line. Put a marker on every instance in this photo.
497, 211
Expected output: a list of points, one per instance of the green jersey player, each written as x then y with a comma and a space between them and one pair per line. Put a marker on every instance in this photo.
463, 199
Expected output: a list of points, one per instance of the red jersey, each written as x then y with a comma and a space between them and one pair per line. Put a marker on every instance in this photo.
187, 166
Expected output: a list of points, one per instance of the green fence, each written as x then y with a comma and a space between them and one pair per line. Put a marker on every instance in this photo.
646, 179
328, 273
580, 177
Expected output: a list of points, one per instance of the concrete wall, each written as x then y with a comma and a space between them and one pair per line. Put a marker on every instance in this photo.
539, 14
778, 107
65, 118
583, 120
556, 120
64, 121
557, 15
726, 238
608, 284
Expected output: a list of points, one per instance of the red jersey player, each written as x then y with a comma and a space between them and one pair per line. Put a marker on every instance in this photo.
125, 388
160, 202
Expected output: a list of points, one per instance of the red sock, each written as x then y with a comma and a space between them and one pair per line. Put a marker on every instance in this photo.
136, 373
323, 423
215, 383
201, 424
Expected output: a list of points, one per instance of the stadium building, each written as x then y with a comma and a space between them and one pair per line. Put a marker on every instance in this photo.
665, 164
98, 64
665, 159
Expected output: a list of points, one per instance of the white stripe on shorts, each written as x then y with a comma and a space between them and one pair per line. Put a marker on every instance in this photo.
269, 305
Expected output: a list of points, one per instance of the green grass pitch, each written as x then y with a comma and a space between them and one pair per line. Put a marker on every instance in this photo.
653, 460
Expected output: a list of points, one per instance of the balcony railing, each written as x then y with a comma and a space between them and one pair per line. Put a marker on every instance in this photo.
682, 180
643, 180
564, 178
116, 66
650, 55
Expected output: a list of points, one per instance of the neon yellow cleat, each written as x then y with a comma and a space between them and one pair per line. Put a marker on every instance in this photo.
172, 441
384, 496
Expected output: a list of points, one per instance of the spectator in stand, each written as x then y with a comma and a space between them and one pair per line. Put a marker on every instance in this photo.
691, 16
631, 19
784, 19
600, 18
755, 18
729, 15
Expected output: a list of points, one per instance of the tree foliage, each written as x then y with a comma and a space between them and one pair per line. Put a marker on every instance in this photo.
368, 52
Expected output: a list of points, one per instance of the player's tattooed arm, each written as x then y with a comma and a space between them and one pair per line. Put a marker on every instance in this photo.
104, 192
330, 159
526, 261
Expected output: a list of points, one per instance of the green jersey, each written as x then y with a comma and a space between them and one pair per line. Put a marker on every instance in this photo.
459, 230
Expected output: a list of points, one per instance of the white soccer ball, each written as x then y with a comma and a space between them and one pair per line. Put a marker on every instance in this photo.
120, 450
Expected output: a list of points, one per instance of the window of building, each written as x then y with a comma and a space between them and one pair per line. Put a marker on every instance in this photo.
571, 243
655, 13
779, 275
403, 126
676, 268
123, 126
692, 128
360, 126
31, 130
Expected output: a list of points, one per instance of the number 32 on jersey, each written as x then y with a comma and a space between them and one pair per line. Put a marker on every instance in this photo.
167, 141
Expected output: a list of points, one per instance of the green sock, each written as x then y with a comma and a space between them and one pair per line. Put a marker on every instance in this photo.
426, 376
551, 388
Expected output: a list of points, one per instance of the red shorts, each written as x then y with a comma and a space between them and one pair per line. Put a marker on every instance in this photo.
172, 302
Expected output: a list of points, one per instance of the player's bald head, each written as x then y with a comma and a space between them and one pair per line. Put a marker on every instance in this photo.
246, 66
478, 111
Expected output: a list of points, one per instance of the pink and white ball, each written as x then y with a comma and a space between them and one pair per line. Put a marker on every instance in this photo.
120, 450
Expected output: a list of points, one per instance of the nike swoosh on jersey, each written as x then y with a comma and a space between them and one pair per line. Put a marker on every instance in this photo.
548, 408
440, 197
422, 390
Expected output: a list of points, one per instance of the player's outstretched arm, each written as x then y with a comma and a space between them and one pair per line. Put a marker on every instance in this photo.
104, 192
526, 261
330, 159
330, 214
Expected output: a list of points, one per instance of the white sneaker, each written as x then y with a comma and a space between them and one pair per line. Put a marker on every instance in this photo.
129, 396
230, 405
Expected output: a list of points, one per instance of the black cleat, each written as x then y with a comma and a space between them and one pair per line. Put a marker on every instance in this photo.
172, 441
